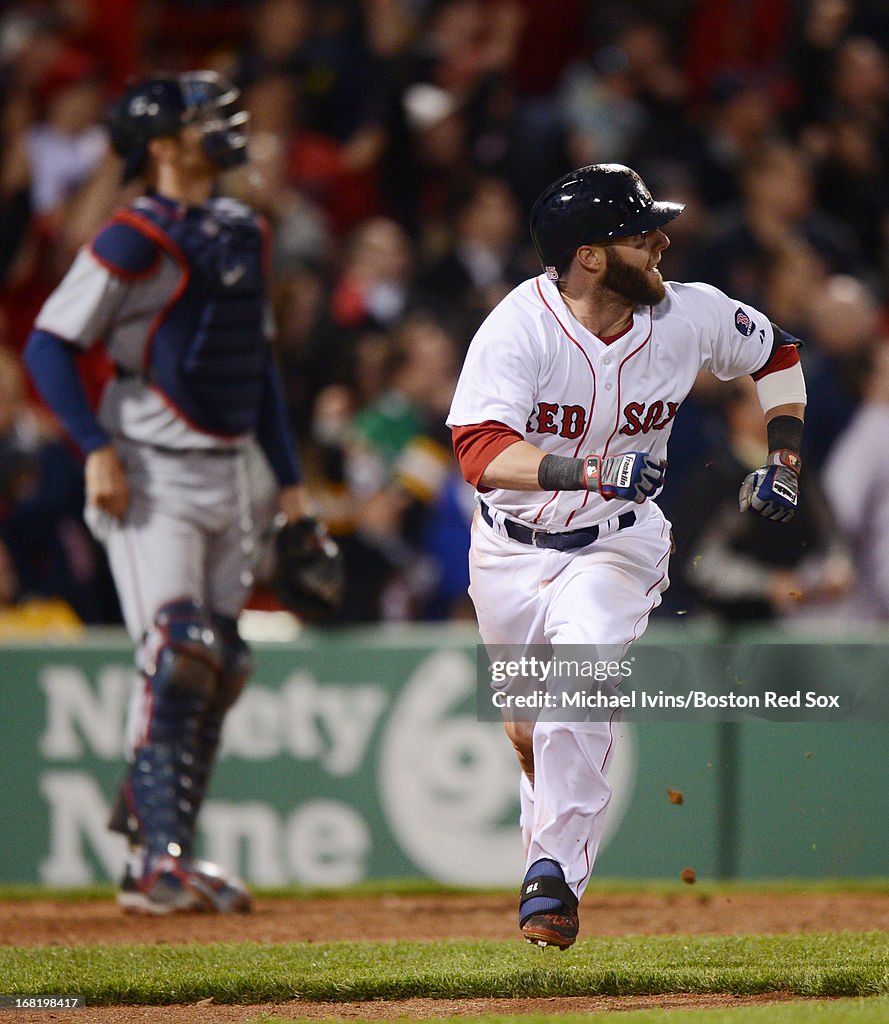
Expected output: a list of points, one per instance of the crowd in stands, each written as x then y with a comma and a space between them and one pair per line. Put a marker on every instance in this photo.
396, 148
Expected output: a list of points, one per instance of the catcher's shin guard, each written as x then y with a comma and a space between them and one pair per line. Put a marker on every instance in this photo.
194, 780
182, 665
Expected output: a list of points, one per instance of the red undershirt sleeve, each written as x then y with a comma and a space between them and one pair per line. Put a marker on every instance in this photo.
476, 444
782, 358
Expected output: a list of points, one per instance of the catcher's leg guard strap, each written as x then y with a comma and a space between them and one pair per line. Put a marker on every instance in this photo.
542, 893
182, 665
237, 663
122, 819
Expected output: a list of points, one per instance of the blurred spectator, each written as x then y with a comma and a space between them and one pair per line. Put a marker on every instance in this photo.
399, 477
856, 481
741, 118
41, 501
299, 298
483, 261
841, 331
15, 179
66, 145
846, 129
629, 93
396, 149
336, 336
739, 567
724, 36
56, 179
778, 209
111, 33
334, 111
853, 181
793, 277
552, 36
24, 617
824, 24
372, 289
446, 92
321, 48
860, 81
300, 230
601, 116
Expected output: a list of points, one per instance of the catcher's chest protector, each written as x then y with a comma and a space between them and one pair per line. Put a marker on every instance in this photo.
209, 353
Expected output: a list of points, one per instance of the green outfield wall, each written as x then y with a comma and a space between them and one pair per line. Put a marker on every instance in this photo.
359, 754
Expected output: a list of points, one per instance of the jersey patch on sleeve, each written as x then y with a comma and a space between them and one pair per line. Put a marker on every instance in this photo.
125, 251
744, 323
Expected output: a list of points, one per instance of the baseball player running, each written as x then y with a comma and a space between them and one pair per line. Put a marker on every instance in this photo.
560, 419
175, 286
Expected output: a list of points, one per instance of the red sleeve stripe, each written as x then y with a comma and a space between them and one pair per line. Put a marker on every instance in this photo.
782, 358
477, 444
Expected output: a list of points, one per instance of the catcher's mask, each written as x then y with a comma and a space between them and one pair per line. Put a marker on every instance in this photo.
593, 204
165, 104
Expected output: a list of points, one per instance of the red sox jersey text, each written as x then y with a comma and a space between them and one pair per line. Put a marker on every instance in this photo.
537, 370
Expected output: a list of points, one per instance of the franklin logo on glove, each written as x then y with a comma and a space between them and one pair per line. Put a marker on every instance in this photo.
773, 490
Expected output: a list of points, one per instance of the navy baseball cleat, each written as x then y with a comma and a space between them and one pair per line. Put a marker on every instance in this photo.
548, 907
172, 885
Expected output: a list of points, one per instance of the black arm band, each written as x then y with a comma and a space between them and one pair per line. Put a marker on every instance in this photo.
785, 432
560, 473
781, 337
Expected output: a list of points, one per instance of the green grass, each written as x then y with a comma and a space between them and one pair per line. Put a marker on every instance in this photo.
845, 964
423, 887
360, 890
846, 1011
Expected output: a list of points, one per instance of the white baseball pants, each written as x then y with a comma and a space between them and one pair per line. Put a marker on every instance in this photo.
600, 595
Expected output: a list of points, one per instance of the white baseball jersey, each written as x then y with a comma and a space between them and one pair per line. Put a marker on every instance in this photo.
533, 367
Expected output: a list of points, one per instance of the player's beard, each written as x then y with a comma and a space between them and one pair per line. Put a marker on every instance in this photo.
632, 284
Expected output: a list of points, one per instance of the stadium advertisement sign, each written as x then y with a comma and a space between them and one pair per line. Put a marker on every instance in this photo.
363, 755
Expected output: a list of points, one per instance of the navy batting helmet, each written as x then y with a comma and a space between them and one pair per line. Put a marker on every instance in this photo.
593, 204
165, 104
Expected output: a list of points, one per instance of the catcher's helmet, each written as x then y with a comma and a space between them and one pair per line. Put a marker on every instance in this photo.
593, 204
165, 104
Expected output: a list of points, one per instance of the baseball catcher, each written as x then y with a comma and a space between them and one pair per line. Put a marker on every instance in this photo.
175, 285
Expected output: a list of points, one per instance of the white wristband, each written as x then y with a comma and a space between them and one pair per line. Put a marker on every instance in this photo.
783, 387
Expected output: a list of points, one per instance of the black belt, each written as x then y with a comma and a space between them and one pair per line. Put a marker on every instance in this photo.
122, 373
163, 450
213, 452
565, 541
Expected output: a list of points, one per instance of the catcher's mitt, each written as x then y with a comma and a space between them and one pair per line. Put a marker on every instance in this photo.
309, 572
